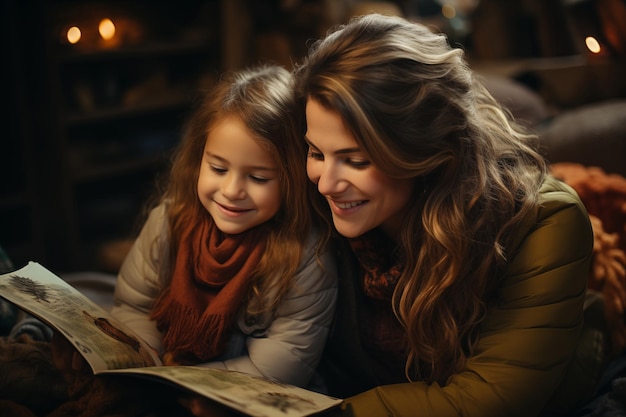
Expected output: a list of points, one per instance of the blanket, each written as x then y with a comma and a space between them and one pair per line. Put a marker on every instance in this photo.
604, 196
31, 386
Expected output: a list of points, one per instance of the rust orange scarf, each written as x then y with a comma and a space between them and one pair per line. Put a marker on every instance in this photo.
211, 278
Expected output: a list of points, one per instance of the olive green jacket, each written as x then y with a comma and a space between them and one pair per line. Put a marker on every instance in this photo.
528, 339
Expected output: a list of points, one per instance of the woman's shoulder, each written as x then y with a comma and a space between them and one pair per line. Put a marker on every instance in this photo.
555, 193
559, 215
555, 200
558, 224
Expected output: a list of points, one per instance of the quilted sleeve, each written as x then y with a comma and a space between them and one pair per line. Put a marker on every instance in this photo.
138, 285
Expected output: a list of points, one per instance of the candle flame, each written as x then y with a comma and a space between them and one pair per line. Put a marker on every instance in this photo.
106, 29
592, 44
73, 35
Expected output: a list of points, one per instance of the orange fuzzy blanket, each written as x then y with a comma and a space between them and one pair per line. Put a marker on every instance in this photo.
604, 195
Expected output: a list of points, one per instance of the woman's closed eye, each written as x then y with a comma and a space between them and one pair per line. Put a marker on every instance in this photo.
358, 162
353, 162
315, 155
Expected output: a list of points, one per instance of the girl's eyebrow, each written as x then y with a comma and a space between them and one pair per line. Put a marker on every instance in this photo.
251, 167
337, 152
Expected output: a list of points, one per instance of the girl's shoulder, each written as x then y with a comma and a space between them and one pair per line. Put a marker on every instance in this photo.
318, 265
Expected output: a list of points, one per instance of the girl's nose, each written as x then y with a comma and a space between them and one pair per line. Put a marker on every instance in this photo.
233, 187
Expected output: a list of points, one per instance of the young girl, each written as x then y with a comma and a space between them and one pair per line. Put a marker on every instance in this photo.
227, 271
466, 293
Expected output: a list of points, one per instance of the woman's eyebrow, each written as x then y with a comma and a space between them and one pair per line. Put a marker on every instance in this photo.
337, 152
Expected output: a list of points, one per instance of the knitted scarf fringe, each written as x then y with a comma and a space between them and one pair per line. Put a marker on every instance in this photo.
186, 331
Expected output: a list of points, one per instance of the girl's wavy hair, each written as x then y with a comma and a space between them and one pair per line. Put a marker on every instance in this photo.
417, 110
262, 98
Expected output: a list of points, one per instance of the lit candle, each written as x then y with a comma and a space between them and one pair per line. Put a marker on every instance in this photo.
73, 35
593, 45
106, 29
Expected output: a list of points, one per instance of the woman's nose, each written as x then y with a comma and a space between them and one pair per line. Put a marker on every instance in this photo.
328, 179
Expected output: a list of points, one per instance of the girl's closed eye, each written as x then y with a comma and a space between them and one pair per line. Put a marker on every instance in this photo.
259, 180
218, 169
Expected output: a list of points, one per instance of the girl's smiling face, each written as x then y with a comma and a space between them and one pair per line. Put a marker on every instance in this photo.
238, 182
361, 197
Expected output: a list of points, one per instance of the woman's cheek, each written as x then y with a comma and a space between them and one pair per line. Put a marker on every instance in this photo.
312, 170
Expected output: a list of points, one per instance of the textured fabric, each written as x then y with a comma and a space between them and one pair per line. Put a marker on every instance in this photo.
528, 337
31, 386
28, 378
604, 196
382, 335
211, 278
286, 346
384, 339
379, 265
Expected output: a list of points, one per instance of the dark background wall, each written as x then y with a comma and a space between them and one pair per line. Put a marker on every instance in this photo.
88, 128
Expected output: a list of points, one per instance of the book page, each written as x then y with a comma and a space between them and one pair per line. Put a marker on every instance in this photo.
248, 394
104, 342
111, 348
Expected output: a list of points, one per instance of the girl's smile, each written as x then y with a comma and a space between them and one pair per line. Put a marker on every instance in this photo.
237, 184
232, 211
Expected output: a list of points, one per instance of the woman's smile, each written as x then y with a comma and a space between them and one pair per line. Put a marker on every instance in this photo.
361, 196
346, 208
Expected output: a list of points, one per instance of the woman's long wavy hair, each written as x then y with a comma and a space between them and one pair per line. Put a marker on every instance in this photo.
416, 109
262, 98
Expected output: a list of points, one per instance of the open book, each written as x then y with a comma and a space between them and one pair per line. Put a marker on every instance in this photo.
111, 347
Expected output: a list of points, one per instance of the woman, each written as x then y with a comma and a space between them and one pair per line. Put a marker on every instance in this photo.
471, 261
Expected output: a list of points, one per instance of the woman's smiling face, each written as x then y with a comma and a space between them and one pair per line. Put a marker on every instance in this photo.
361, 197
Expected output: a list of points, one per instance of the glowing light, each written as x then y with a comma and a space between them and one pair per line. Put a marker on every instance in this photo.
448, 11
73, 35
592, 44
106, 29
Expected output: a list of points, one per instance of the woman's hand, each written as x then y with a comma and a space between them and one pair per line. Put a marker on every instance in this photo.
64, 356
